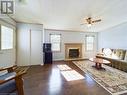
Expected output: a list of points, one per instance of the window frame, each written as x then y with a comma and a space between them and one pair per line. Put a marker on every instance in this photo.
59, 44
92, 43
1, 37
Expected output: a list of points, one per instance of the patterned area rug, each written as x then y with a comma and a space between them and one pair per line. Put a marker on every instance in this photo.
111, 79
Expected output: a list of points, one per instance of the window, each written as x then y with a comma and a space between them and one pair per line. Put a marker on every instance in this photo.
89, 43
6, 38
55, 41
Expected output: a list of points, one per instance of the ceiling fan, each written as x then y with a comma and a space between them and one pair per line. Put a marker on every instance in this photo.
89, 21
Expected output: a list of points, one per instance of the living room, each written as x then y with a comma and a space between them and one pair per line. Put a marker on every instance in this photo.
63, 47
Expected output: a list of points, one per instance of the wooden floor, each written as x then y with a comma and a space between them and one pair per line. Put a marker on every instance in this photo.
47, 80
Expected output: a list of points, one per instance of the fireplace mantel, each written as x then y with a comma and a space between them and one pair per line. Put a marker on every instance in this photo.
73, 46
73, 43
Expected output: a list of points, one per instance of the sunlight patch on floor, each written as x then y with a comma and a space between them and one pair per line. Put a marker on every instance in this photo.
72, 75
69, 74
63, 67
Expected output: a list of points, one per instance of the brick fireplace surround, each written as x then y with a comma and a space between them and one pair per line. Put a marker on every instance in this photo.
73, 46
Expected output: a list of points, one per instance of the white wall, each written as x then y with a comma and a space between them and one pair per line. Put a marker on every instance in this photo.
69, 37
8, 57
115, 37
24, 43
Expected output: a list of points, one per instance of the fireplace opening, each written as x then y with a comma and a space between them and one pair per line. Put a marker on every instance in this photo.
73, 53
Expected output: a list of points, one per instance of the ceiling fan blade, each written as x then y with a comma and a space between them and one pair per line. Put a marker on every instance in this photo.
96, 21
82, 23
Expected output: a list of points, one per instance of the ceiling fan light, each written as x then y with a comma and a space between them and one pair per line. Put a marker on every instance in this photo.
89, 25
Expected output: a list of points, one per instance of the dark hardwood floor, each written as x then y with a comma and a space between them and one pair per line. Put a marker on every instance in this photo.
47, 80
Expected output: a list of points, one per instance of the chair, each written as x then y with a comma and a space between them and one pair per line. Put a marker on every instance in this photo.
11, 83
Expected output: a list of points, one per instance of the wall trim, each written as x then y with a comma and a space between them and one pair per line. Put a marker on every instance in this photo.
68, 30
117, 25
7, 22
28, 22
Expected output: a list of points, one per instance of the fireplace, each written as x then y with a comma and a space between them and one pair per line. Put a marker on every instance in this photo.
73, 53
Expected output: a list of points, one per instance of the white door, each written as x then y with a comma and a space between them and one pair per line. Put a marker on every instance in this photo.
36, 47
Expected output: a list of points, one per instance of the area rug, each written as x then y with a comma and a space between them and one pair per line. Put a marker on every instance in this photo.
111, 79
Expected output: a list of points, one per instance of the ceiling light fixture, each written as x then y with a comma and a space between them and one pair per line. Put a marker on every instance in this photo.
89, 25
89, 21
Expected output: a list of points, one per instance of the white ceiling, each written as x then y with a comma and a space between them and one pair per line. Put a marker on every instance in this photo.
69, 14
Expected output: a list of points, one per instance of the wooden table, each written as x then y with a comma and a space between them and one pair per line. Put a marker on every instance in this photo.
98, 62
